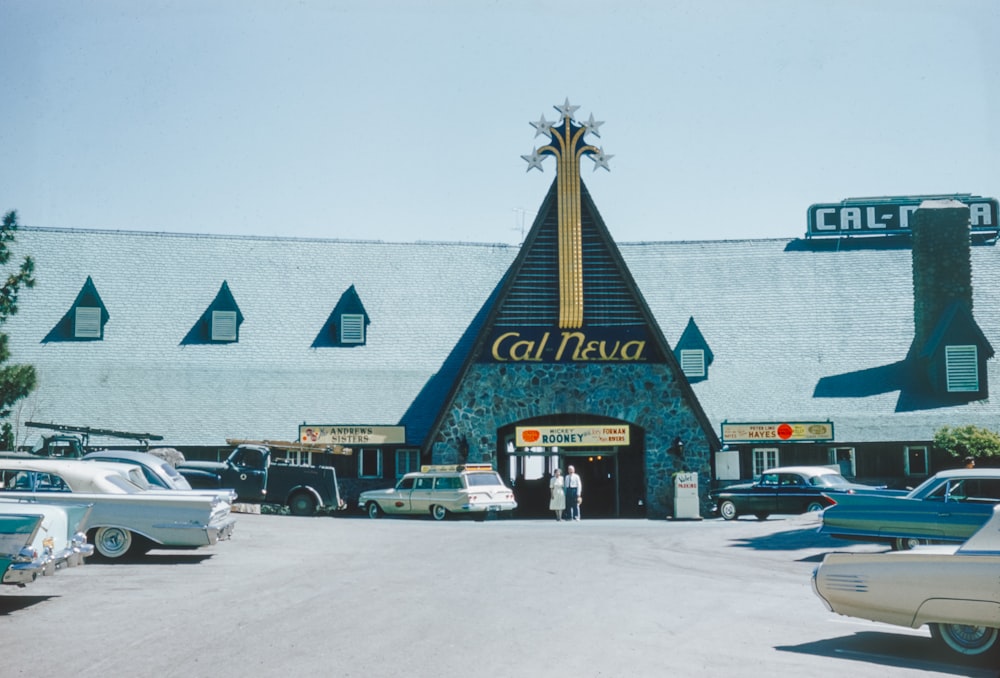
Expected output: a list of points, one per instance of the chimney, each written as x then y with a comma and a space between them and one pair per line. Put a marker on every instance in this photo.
942, 264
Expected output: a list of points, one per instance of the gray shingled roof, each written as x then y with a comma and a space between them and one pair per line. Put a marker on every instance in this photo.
798, 333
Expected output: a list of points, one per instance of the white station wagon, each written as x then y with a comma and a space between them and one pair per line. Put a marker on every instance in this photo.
442, 491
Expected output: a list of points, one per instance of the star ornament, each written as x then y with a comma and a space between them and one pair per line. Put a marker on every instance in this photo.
600, 159
592, 125
542, 127
534, 160
566, 110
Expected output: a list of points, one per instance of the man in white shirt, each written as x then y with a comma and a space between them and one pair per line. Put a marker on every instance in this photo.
574, 494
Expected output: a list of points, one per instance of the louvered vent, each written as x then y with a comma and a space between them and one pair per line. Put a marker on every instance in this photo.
87, 322
352, 328
962, 369
223, 325
693, 362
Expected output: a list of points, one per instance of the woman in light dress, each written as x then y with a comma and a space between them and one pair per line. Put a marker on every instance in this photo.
557, 494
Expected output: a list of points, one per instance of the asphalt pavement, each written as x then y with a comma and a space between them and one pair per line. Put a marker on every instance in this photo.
346, 596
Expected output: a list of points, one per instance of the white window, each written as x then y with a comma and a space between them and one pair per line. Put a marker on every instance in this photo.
915, 461
763, 459
407, 461
693, 362
223, 325
352, 328
87, 323
962, 369
843, 458
369, 462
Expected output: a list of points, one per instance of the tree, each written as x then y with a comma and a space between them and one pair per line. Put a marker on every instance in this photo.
968, 441
16, 381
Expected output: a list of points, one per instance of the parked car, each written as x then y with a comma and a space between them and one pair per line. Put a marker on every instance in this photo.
442, 491
787, 489
125, 519
19, 563
954, 590
949, 506
59, 541
158, 472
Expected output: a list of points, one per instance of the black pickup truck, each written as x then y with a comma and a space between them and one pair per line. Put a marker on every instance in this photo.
258, 478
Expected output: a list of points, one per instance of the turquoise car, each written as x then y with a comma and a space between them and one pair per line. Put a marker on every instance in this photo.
948, 507
19, 564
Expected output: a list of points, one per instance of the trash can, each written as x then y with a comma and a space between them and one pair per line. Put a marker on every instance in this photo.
687, 506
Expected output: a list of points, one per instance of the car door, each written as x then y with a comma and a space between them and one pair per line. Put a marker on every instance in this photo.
246, 472
792, 494
762, 497
968, 504
420, 498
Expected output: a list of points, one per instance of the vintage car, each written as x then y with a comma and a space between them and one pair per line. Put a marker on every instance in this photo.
949, 506
60, 540
954, 590
158, 472
19, 563
125, 519
787, 489
442, 491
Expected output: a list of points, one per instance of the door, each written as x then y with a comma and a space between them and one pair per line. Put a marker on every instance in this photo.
246, 472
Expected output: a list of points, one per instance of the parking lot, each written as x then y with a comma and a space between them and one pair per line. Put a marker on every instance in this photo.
348, 596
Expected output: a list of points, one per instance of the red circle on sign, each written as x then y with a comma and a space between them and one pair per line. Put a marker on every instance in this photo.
785, 431
530, 435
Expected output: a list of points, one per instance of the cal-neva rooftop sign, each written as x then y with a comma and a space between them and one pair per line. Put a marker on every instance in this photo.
891, 216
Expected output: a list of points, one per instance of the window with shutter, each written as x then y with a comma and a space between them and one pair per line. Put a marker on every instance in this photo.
962, 369
693, 362
352, 328
87, 322
223, 325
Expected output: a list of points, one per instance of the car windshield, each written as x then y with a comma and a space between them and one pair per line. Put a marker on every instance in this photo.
119, 481
926, 488
829, 480
482, 479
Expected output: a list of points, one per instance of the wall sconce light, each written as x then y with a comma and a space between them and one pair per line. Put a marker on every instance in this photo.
678, 447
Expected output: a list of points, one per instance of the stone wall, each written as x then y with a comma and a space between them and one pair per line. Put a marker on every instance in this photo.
646, 395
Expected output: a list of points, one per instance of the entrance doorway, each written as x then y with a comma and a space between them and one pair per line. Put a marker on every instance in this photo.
613, 477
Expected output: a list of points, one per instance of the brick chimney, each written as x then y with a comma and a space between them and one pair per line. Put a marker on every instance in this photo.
942, 263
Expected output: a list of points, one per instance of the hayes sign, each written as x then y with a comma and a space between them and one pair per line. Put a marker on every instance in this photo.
868, 216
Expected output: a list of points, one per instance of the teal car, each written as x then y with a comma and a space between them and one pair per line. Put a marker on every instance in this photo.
19, 563
948, 507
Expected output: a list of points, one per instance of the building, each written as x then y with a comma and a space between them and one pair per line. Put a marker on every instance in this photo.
632, 361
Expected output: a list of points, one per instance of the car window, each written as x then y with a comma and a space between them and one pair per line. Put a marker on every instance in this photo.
483, 479
787, 479
423, 483
405, 483
829, 480
448, 483
769, 479
16, 481
50, 482
119, 481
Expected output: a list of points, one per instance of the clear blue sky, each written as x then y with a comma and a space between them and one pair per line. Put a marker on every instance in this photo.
406, 120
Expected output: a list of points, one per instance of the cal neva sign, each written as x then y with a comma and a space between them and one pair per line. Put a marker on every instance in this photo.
871, 216
584, 345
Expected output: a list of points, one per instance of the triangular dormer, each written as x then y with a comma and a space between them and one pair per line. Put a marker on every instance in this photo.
954, 357
220, 323
347, 324
85, 319
693, 353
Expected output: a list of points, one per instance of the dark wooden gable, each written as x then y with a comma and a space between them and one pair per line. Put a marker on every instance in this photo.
693, 340
348, 304
201, 332
955, 328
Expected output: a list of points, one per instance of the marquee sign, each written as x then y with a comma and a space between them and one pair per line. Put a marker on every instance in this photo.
891, 216
571, 436
352, 435
775, 432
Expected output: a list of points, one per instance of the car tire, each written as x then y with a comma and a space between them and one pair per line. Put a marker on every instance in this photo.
112, 543
815, 506
727, 509
966, 640
905, 543
302, 504
762, 515
373, 510
439, 512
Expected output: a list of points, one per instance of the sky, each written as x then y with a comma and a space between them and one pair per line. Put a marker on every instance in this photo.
406, 120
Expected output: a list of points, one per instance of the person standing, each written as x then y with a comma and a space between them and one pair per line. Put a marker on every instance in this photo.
557, 494
574, 494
